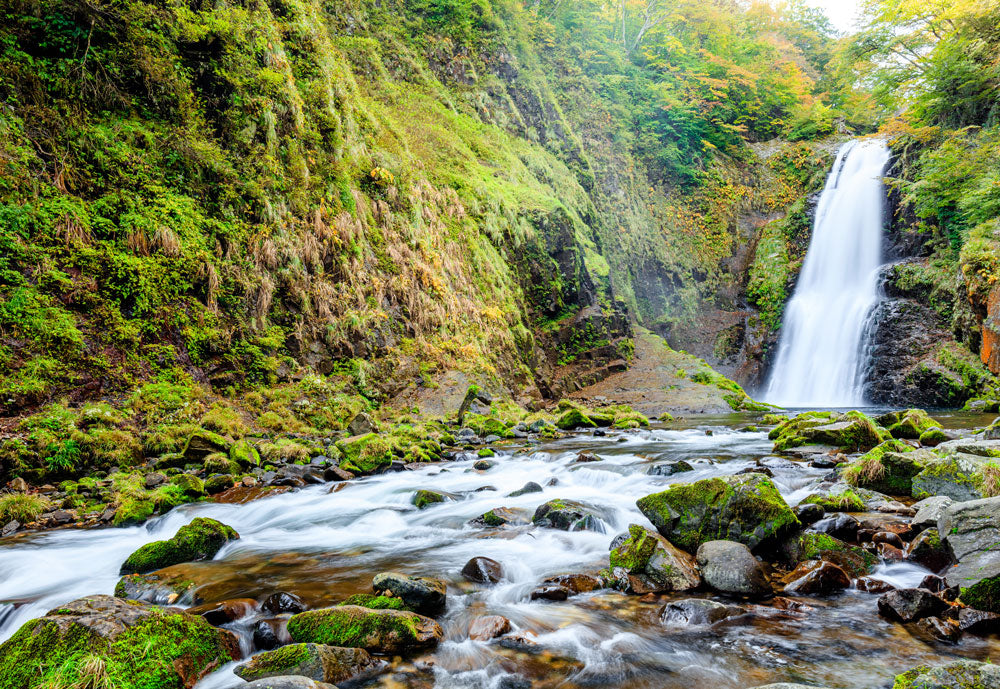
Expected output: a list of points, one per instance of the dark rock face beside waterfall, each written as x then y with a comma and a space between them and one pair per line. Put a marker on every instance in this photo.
914, 356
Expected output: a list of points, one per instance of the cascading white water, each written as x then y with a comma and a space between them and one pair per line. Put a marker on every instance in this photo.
821, 360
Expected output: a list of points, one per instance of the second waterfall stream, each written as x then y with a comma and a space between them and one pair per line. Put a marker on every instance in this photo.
821, 360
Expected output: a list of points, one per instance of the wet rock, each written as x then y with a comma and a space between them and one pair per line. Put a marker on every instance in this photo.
420, 594
529, 487
112, 630
489, 627
287, 682
889, 537
9, 528
809, 513
946, 631
889, 553
842, 526
972, 531
654, 561
553, 593
929, 510
567, 515
218, 614
502, 516
425, 498
282, 601
696, 612
817, 577
317, 662
484, 465
483, 570
337, 474
219, 483
960, 674
377, 631
872, 585
199, 540
669, 469
746, 508
730, 567
909, 424
852, 431
271, 632
158, 588
928, 550
909, 605
978, 621
586, 458
576, 583
513, 682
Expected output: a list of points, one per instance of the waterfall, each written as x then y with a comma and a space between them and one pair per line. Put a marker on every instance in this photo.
821, 354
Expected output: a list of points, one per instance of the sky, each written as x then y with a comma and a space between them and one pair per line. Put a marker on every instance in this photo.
841, 12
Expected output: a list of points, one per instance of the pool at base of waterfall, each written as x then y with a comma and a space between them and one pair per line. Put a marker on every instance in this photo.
325, 543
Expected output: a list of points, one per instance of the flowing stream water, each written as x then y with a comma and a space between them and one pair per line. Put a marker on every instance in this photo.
821, 355
325, 543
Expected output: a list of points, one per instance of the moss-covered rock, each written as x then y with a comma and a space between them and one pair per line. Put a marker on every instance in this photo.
958, 476
853, 431
244, 454
202, 443
818, 546
374, 602
746, 508
959, 674
377, 631
101, 641
486, 453
567, 515
318, 662
909, 424
888, 468
364, 454
487, 425
424, 595
199, 540
132, 511
158, 588
837, 501
425, 498
654, 560
501, 516
933, 437
574, 418
190, 485
219, 483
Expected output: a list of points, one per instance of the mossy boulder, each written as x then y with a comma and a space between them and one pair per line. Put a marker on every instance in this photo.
971, 530
746, 508
364, 454
190, 485
132, 511
219, 464
487, 425
425, 498
909, 424
64, 647
374, 602
818, 546
502, 516
567, 515
318, 662
574, 418
244, 454
853, 431
651, 563
421, 594
959, 674
845, 500
933, 437
202, 443
377, 631
199, 540
219, 483
888, 468
958, 476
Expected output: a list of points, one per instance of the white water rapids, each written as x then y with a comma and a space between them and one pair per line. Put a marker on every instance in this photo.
325, 545
821, 356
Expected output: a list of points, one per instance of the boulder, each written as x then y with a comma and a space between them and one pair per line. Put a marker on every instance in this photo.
929, 550
909, 605
317, 662
199, 540
377, 631
191, 486
696, 612
425, 498
659, 566
956, 475
483, 570
420, 594
730, 567
282, 601
529, 487
502, 516
567, 515
362, 424
287, 682
817, 577
809, 513
201, 444
488, 627
888, 468
745, 508
972, 533
909, 424
853, 431
364, 454
978, 621
812, 546
574, 418
959, 674
176, 647
929, 510
244, 454
158, 588
842, 526
946, 631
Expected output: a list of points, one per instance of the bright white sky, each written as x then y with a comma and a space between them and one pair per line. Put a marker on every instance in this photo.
842, 13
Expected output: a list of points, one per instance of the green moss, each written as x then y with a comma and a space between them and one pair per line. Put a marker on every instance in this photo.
816, 546
983, 595
244, 454
846, 501
199, 540
486, 453
373, 602
272, 663
426, 498
634, 554
885, 469
357, 627
190, 485
574, 418
364, 454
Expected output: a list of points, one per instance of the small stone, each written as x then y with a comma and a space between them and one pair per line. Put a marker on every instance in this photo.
218, 614
978, 621
18, 485
484, 465
669, 469
586, 458
553, 593
335, 473
362, 424
489, 627
9, 528
483, 570
529, 487
577, 583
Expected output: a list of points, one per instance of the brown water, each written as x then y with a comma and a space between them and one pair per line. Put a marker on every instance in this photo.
325, 546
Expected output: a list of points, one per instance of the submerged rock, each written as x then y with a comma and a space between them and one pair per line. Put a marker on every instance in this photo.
730, 567
694, 612
377, 631
199, 540
745, 508
317, 662
158, 588
175, 646
421, 594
